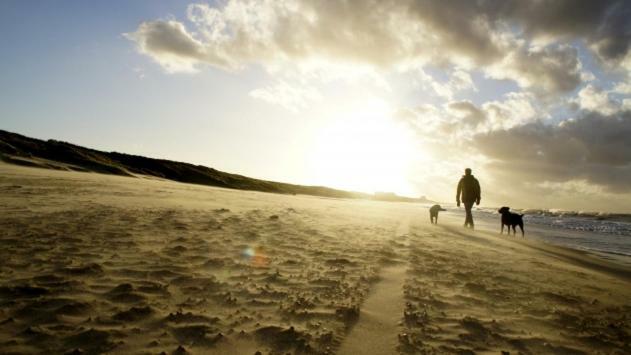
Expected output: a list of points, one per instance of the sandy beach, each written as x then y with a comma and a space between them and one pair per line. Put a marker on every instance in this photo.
93, 263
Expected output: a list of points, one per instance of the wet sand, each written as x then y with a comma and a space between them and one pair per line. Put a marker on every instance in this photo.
94, 263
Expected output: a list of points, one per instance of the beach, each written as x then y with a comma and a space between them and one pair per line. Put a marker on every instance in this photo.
94, 263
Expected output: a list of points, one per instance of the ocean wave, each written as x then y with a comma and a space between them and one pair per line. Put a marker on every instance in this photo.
601, 216
599, 222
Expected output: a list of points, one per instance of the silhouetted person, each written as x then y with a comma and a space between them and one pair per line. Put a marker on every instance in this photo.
469, 189
433, 213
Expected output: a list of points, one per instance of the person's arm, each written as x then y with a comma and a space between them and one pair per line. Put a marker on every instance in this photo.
458, 191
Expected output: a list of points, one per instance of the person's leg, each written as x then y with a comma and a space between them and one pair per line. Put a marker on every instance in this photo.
467, 214
469, 220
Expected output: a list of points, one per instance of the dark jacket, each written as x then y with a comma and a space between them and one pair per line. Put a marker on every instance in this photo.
469, 187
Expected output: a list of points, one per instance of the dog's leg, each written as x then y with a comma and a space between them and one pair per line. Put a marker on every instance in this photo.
514, 231
502, 230
521, 226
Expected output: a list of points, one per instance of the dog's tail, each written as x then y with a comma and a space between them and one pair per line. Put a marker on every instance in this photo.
521, 215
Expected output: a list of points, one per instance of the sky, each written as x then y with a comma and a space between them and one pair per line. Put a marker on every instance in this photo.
392, 96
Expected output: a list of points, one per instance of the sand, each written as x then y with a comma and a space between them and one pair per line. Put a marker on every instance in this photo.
93, 263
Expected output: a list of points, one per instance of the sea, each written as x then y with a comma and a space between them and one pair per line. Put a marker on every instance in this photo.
598, 232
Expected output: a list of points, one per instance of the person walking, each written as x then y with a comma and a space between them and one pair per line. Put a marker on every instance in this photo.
469, 190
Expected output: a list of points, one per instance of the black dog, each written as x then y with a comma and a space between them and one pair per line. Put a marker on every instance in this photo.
511, 220
433, 213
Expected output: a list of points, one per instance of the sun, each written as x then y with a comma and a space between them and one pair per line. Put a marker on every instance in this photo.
365, 149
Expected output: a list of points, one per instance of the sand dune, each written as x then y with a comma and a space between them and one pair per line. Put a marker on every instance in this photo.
95, 263
57, 155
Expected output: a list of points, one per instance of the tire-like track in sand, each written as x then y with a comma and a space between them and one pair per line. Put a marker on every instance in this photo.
379, 324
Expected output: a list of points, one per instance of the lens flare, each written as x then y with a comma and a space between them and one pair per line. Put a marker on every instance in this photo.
255, 256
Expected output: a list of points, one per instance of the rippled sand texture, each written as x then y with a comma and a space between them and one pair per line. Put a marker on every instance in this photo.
489, 294
93, 263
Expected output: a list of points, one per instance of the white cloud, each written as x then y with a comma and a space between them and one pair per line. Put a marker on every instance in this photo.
592, 98
514, 110
458, 120
623, 87
459, 80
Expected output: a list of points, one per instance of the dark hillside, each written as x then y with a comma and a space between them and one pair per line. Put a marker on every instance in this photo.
19, 149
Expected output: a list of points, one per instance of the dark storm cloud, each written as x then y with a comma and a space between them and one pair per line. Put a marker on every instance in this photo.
558, 17
474, 30
596, 21
604, 25
594, 148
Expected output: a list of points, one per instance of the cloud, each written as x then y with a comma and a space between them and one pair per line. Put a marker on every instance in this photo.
468, 113
458, 120
593, 148
612, 39
527, 161
169, 44
515, 40
602, 25
574, 187
622, 88
266, 32
515, 109
459, 80
427, 121
592, 98
292, 97
555, 69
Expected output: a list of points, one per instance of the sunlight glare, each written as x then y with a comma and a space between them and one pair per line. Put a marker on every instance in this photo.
365, 149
